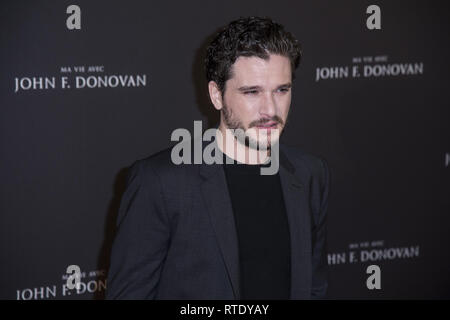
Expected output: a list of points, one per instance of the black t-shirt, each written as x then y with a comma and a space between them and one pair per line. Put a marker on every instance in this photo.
263, 232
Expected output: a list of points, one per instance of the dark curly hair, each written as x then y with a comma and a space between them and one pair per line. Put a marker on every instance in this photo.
250, 36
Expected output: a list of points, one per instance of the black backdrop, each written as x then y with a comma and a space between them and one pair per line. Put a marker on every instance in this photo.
64, 151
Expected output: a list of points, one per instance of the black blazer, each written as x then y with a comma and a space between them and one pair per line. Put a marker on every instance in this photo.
176, 236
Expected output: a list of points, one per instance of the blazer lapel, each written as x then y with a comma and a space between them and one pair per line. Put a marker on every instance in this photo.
297, 210
215, 193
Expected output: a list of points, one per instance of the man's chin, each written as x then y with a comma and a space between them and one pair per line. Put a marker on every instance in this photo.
262, 144
267, 137
259, 138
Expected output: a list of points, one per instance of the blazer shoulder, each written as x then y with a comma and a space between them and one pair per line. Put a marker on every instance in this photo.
146, 169
160, 165
314, 163
158, 161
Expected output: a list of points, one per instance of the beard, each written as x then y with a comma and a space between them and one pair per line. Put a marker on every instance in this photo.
234, 123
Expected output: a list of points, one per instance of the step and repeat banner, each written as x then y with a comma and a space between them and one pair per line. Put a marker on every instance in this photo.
88, 87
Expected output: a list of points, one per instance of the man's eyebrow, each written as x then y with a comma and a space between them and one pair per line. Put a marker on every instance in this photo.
285, 86
249, 88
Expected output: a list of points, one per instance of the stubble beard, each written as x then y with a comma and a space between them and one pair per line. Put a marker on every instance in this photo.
231, 122
235, 124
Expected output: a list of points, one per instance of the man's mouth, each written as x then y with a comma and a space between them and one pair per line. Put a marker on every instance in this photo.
268, 125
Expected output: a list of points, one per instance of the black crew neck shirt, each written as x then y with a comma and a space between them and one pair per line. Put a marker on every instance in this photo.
263, 231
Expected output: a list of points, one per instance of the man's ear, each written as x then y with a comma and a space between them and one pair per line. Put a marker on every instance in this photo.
215, 95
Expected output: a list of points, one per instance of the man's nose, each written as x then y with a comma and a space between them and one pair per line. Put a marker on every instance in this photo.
268, 105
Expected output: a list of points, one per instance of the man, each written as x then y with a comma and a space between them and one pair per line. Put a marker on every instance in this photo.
226, 231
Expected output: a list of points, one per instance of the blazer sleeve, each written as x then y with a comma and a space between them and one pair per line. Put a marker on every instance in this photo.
319, 254
141, 242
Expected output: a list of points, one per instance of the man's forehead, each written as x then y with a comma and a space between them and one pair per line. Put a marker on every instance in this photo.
250, 69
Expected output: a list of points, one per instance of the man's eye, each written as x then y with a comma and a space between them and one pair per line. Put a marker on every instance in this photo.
251, 92
284, 89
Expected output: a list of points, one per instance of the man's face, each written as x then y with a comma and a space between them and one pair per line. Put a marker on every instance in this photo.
258, 97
